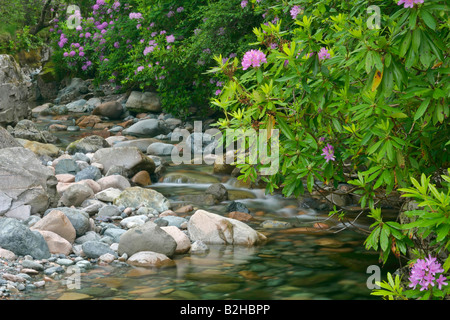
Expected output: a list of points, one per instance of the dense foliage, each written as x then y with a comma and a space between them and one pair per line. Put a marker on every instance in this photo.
358, 101
166, 46
358, 89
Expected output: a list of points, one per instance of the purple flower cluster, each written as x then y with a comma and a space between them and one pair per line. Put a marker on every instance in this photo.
324, 54
328, 153
424, 273
244, 3
409, 3
135, 15
253, 58
295, 11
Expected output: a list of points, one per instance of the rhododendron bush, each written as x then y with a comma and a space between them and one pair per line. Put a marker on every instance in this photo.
166, 46
360, 93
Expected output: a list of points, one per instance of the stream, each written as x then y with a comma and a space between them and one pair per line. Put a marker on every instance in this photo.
292, 264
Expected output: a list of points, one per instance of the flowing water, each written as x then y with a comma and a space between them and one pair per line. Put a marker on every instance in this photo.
295, 263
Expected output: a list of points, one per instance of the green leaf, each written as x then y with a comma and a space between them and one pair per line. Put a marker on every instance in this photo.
310, 182
285, 128
405, 44
416, 39
422, 108
442, 232
428, 19
384, 238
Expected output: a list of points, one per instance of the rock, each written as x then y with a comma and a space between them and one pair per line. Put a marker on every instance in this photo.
237, 206
7, 254
90, 172
16, 237
40, 149
25, 181
109, 211
110, 109
142, 178
241, 216
173, 123
114, 181
22, 212
77, 106
57, 127
78, 218
185, 209
218, 191
142, 144
108, 195
160, 149
143, 102
340, 200
148, 128
76, 88
117, 170
150, 259
275, 224
7, 140
148, 237
89, 144
65, 177
212, 228
57, 222
88, 121
94, 249
131, 159
114, 233
75, 194
16, 91
174, 221
107, 258
26, 129
182, 240
89, 236
133, 221
137, 196
66, 166
199, 247
31, 264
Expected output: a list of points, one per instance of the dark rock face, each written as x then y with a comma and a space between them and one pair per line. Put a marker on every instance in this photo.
16, 92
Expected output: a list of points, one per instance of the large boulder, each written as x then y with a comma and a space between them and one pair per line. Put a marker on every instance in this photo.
26, 129
16, 237
75, 89
149, 128
6, 140
137, 196
25, 181
212, 228
16, 92
110, 109
143, 102
147, 237
132, 159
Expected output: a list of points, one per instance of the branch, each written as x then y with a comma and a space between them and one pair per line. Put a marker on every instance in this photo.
41, 23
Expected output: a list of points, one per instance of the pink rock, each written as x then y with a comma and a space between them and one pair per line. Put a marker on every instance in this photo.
150, 259
57, 222
65, 177
114, 181
182, 240
6, 254
56, 244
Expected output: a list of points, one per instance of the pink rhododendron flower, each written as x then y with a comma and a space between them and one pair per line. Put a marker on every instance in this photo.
253, 58
170, 38
244, 3
423, 273
323, 54
409, 3
328, 153
295, 11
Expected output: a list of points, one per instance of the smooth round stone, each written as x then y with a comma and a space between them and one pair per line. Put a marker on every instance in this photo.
73, 128
51, 270
64, 262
